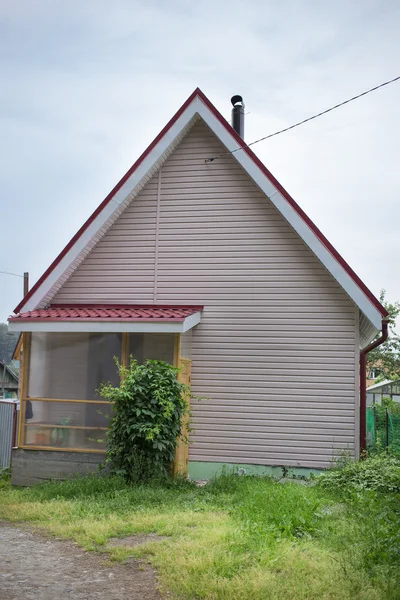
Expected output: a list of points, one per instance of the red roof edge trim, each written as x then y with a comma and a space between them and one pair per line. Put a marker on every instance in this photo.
98, 319
296, 207
35, 287
108, 313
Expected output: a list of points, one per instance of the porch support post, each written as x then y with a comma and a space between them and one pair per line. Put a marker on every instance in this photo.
26, 356
180, 466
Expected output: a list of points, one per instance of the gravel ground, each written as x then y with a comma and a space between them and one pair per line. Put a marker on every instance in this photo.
33, 567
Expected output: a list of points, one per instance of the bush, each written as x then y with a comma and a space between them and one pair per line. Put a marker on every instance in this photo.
5, 476
370, 491
392, 406
380, 473
149, 405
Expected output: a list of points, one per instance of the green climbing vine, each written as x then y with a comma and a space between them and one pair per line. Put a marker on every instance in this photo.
149, 405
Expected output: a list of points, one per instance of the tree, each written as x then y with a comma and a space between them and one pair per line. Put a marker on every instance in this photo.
8, 341
386, 357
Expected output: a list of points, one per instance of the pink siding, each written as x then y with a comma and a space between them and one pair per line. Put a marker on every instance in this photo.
120, 267
276, 351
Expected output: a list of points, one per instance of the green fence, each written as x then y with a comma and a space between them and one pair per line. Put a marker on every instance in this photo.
383, 428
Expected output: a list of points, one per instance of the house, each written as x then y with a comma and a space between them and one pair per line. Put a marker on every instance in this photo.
373, 372
8, 382
200, 257
384, 389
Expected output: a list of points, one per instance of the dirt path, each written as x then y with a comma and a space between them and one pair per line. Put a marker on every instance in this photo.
35, 568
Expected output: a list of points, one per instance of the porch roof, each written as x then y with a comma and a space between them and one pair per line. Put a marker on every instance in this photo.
111, 318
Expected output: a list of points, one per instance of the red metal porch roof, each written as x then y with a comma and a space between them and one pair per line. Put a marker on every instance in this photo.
114, 313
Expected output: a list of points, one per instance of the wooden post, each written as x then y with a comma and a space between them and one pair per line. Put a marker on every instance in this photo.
181, 462
387, 430
177, 350
24, 371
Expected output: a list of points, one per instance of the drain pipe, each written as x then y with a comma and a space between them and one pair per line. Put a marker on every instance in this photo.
363, 385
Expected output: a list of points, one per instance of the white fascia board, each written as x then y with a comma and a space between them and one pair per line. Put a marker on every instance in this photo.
145, 166
293, 218
191, 322
106, 326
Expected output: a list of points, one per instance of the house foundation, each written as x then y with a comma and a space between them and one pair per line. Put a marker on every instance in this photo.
30, 467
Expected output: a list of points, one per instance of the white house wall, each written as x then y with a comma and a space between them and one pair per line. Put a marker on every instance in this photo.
276, 351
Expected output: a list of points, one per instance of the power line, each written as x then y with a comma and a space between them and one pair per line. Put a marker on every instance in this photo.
15, 274
324, 112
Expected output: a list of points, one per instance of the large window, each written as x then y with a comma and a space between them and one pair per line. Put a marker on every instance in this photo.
62, 408
72, 365
157, 346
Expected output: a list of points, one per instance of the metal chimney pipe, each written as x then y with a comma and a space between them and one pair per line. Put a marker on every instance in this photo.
26, 283
238, 115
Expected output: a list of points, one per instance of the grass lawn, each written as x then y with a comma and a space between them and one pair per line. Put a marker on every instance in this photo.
246, 538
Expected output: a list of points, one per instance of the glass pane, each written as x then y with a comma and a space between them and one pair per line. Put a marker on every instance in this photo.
66, 424
186, 344
72, 365
156, 346
73, 414
103, 347
65, 437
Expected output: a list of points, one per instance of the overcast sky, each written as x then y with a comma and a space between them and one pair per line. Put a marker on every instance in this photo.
86, 85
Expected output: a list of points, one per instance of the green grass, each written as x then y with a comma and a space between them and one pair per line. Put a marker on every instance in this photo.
238, 538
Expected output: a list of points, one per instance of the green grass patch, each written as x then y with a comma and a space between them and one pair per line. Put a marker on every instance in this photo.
238, 537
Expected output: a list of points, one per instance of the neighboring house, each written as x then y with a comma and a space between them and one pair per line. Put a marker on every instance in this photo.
373, 373
199, 257
384, 389
8, 382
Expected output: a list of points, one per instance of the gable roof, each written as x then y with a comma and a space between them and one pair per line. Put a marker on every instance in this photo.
199, 106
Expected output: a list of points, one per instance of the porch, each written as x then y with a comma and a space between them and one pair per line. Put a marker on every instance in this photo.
68, 352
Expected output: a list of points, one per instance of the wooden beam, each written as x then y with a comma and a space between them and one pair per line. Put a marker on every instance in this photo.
26, 357
47, 425
181, 462
177, 350
68, 400
55, 449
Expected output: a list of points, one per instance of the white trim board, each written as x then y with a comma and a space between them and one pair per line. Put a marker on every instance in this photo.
107, 326
157, 156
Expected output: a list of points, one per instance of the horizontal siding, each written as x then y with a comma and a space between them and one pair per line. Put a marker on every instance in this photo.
274, 357
101, 277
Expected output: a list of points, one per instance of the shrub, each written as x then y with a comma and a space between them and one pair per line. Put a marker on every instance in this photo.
149, 405
5, 476
380, 473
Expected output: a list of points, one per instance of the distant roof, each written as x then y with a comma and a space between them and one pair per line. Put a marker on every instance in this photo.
381, 384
